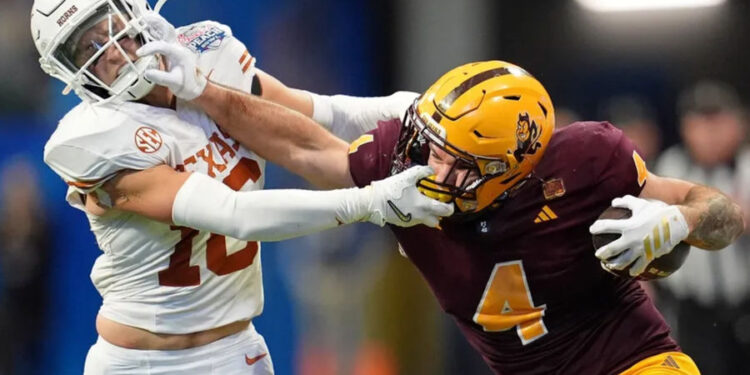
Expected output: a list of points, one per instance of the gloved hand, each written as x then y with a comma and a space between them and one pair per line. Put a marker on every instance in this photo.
652, 231
158, 28
182, 75
396, 200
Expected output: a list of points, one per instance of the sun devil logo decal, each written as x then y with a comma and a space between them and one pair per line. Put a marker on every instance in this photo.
527, 137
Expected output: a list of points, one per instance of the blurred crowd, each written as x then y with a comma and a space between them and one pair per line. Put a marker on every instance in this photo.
24, 266
16, 73
361, 307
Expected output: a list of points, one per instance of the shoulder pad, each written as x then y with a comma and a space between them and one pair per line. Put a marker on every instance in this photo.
221, 56
613, 160
91, 144
591, 139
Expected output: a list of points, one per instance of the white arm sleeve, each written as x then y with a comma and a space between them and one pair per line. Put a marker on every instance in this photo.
265, 215
348, 117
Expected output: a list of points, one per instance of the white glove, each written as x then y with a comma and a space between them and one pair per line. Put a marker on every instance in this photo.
182, 76
653, 230
158, 28
396, 200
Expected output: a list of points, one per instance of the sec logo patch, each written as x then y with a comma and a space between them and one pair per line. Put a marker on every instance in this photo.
147, 140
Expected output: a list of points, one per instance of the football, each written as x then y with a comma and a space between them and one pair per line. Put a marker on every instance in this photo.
658, 268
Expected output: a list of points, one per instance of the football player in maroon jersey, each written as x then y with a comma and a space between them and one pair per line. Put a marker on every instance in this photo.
514, 266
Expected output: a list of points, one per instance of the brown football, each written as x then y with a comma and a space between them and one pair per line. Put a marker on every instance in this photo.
658, 268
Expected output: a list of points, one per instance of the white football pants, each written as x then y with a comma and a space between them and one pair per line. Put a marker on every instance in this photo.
243, 353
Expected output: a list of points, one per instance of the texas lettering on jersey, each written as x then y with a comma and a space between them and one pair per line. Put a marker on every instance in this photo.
224, 147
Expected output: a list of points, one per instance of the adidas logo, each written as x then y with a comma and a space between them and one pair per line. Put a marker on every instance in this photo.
670, 362
546, 214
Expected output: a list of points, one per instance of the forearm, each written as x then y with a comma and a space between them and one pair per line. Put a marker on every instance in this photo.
714, 219
266, 215
276, 91
259, 124
347, 117
280, 135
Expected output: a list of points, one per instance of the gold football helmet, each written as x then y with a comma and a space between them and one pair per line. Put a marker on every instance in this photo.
493, 117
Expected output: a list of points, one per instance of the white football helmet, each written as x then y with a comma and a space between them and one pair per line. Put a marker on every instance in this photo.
60, 29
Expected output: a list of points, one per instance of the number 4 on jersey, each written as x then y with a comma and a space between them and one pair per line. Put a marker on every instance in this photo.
506, 303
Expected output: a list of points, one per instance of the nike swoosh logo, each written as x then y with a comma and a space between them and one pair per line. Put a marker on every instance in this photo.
251, 361
403, 217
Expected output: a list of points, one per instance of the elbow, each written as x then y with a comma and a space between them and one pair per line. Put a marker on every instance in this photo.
719, 225
725, 235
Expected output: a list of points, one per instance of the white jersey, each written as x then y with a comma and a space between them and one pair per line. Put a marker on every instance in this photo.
152, 275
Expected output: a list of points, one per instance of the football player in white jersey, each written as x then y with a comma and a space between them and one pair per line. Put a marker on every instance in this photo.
175, 204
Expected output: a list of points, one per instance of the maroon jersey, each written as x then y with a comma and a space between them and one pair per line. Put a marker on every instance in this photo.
522, 281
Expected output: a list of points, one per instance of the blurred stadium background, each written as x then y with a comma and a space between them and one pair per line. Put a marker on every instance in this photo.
344, 302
